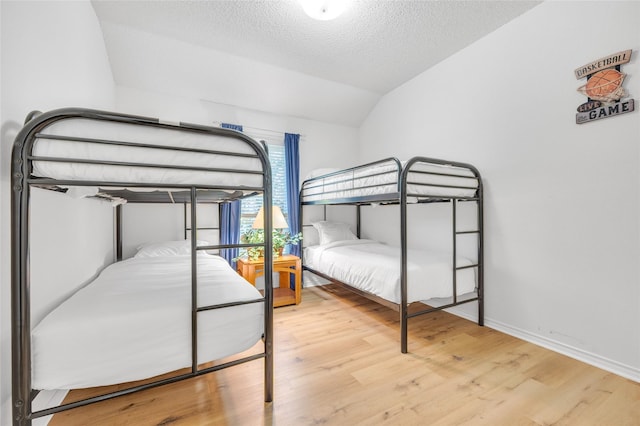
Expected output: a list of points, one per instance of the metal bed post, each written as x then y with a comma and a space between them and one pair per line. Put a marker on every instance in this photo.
268, 283
404, 319
185, 220
20, 306
301, 229
454, 261
119, 232
219, 223
194, 284
480, 206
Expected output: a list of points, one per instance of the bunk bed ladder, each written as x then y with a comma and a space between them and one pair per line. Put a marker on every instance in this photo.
478, 264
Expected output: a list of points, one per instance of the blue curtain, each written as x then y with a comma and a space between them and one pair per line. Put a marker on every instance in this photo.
292, 169
230, 230
230, 219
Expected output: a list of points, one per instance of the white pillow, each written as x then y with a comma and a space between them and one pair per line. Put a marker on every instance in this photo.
167, 248
310, 236
333, 231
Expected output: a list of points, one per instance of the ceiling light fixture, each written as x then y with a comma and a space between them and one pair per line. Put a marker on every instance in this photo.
324, 10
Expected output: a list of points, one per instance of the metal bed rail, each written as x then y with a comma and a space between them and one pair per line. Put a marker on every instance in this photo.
22, 181
378, 179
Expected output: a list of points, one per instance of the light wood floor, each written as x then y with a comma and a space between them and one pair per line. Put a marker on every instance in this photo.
338, 362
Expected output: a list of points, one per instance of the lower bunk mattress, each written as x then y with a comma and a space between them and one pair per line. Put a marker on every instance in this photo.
375, 268
134, 322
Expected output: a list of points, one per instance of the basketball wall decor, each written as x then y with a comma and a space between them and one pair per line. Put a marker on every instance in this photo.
603, 89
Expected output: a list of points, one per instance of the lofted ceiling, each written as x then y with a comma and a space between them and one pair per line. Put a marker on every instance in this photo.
267, 55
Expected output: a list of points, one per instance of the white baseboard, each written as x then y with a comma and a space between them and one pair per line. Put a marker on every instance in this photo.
626, 371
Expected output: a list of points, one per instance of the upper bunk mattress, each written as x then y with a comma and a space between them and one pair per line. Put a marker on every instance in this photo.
173, 155
424, 179
134, 322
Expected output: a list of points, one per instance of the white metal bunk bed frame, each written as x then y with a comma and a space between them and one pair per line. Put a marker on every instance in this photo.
354, 179
22, 181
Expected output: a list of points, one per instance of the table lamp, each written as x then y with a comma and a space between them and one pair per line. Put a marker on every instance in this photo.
279, 221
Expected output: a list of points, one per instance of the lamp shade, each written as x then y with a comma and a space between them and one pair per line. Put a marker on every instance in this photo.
276, 214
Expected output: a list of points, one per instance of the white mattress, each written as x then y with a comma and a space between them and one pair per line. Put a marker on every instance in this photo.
383, 178
134, 322
115, 131
375, 268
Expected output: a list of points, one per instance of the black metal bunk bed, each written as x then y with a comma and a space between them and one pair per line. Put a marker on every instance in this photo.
388, 182
205, 182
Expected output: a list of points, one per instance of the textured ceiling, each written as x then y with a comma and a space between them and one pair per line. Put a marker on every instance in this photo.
375, 46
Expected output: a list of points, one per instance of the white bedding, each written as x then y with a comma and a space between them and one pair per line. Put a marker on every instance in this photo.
79, 127
375, 268
383, 178
134, 322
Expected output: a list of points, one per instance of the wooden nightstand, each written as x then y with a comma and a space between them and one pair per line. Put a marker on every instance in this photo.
284, 265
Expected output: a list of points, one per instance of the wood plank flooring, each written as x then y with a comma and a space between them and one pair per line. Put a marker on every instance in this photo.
338, 362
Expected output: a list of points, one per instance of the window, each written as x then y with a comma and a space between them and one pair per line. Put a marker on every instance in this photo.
251, 205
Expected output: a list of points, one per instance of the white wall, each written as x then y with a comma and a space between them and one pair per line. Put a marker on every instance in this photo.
146, 223
53, 56
562, 210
